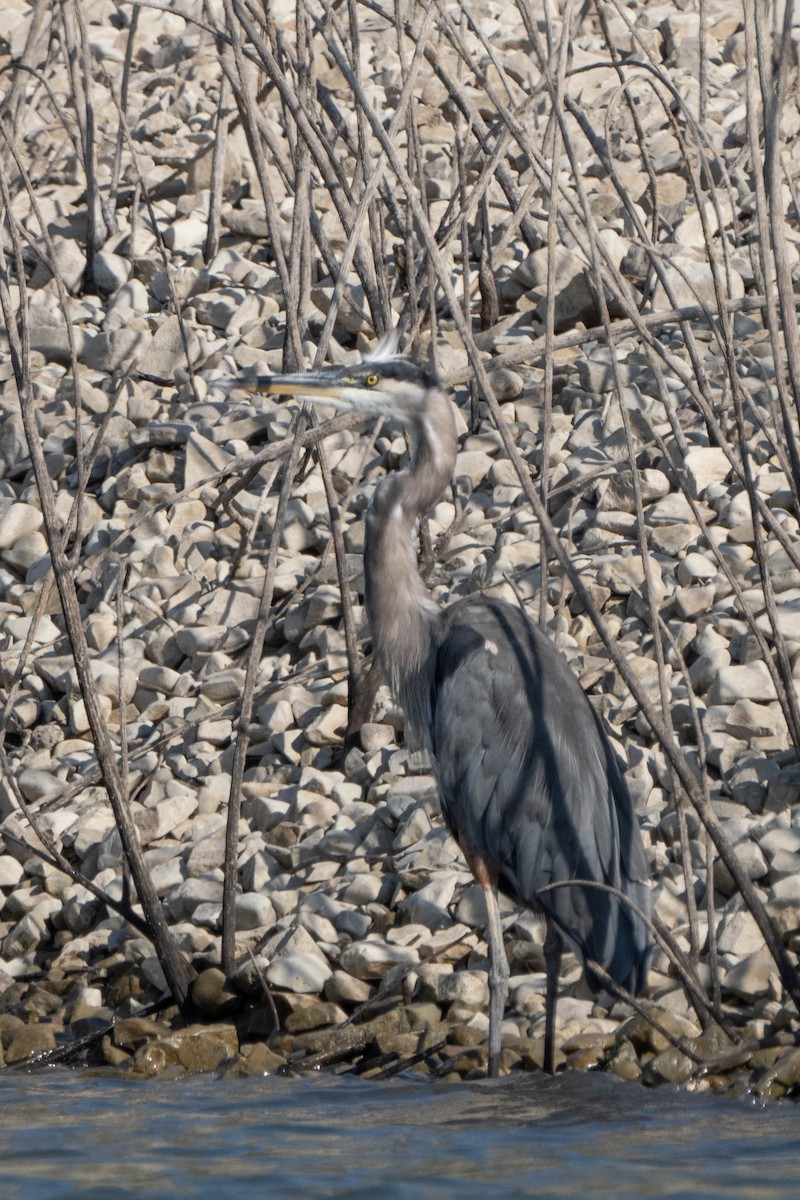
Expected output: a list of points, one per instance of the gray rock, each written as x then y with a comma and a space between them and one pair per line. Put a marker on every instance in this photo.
705, 465
751, 681
372, 958
304, 973
203, 459
17, 521
118, 348
253, 911
755, 975
165, 353
111, 271
184, 899
26, 551
70, 261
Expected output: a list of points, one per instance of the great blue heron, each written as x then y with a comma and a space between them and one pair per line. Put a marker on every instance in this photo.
528, 783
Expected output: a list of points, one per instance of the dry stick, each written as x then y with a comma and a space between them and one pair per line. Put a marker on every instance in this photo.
641, 141
699, 736
650, 597
267, 132
717, 431
293, 348
461, 185
265, 988
725, 337
557, 95
459, 208
354, 677
756, 504
341, 130
788, 972
82, 91
124, 757
653, 252
781, 654
725, 568
704, 145
786, 968
377, 239
683, 966
297, 302
773, 93
246, 709
514, 121
416, 171
176, 971
224, 114
494, 168
783, 664
459, 97
632, 211
728, 1060
35, 48
58, 108
450, 223
623, 994
116, 169
680, 809
325, 162
86, 465
487, 284
82, 466
637, 324
395, 1064
42, 601
362, 171
142, 186
702, 41
764, 252
650, 592
711, 914
248, 531
371, 185
530, 351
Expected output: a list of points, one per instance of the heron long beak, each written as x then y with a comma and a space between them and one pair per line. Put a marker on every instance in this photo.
336, 386
316, 385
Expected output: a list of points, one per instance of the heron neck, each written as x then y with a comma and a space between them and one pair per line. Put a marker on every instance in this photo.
401, 611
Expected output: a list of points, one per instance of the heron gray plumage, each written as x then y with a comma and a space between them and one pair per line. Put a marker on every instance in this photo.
528, 783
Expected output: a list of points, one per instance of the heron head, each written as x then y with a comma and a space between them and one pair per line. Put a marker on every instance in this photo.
387, 386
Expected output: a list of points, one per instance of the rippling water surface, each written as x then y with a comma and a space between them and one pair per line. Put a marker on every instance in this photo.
66, 1136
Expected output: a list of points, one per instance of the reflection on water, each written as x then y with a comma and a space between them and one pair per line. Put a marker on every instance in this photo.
74, 1136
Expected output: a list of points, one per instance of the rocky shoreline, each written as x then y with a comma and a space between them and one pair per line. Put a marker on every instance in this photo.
359, 930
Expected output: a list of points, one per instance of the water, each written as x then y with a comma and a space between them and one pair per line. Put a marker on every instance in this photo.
73, 1136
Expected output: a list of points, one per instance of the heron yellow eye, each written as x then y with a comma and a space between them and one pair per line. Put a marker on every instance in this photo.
371, 380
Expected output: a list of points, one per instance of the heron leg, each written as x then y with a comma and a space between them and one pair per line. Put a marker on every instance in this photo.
553, 949
498, 977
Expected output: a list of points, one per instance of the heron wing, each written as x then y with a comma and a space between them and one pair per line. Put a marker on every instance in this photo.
529, 783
